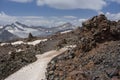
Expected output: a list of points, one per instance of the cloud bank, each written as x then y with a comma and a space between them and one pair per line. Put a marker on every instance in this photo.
48, 21
114, 17
118, 1
69, 4
96, 5
21, 1
39, 20
73, 4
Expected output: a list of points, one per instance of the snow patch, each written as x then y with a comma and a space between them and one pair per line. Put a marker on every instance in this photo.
19, 50
66, 31
28, 43
36, 42
19, 26
17, 43
10, 53
70, 46
3, 44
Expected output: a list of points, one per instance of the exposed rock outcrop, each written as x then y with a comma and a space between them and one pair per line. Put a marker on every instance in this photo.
96, 57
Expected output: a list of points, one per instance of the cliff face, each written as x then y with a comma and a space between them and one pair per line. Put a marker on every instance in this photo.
96, 57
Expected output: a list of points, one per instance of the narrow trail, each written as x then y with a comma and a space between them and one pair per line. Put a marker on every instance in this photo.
36, 70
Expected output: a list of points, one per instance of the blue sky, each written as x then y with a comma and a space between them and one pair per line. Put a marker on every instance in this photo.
43, 11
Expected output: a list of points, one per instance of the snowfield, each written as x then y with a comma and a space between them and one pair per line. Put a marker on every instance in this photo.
20, 31
21, 42
36, 70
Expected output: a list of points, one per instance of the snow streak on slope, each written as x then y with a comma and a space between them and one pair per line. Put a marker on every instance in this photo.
17, 43
36, 42
66, 31
28, 43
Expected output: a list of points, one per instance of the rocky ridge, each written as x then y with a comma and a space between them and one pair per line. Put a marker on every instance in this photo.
96, 57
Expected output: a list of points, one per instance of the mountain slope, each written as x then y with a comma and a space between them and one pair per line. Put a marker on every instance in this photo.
6, 36
63, 27
22, 30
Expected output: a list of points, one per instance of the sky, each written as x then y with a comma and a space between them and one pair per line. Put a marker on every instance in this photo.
55, 12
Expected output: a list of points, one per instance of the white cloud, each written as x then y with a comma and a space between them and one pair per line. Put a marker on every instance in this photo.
7, 19
4, 18
70, 17
113, 16
48, 21
21, 1
78, 22
118, 1
33, 17
73, 4
38, 20
96, 5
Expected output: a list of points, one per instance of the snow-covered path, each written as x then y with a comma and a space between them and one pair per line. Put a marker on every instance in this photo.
36, 70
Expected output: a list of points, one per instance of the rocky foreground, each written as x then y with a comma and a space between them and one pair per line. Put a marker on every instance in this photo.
96, 57
36, 70
17, 54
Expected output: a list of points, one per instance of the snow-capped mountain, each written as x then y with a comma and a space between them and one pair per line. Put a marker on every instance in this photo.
1, 27
6, 35
22, 30
63, 27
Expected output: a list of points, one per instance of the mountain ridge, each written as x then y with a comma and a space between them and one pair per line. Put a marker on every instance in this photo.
22, 30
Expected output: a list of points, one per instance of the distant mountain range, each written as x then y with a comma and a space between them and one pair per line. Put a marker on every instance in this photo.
19, 30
